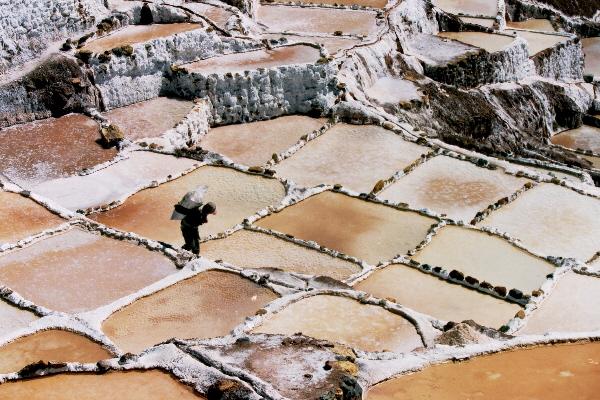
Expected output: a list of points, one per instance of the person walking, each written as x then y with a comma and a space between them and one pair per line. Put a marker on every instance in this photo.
193, 218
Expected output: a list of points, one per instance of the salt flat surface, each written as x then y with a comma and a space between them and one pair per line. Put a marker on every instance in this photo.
117, 180
485, 257
207, 305
149, 118
254, 143
251, 249
250, 60
389, 90
439, 50
490, 42
552, 220
533, 24
366, 230
316, 20
217, 15
237, 195
63, 146
356, 156
573, 306
436, 297
537, 42
456, 188
372, 327
591, 48
469, 7
584, 138
77, 271
13, 318
22, 217
50, 345
549, 372
332, 44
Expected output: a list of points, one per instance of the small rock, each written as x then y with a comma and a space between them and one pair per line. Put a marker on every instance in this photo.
501, 290
457, 275
228, 389
520, 314
515, 294
471, 281
111, 135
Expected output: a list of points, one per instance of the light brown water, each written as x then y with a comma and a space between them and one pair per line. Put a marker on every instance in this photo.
26, 218
490, 42
254, 143
365, 3
591, 49
332, 44
537, 42
485, 257
388, 90
552, 220
217, 15
549, 372
485, 22
584, 137
251, 60
356, 156
359, 228
456, 188
344, 320
149, 118
573, 306
533, 24
236, 194
431, 295
51, 345
317, 20
469, 7
133, 34
594, 160
250, 249
77, 271
63, 146
13, 318
135, 385
207, 305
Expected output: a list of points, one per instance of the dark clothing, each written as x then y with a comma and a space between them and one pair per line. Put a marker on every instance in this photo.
191, 237
194, 217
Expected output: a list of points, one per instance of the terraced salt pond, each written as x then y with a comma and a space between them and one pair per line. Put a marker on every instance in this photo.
240, 62
254, 143
591, 49
207, 305
456, 188
149, 118
364, 3
372, 328
53, 154
534, 24
236, 194
134, 34
138, 385
13, 318
251, 249
331, 44
469, 7
584, 138
27, 218
316, 20
490, 42
548, 372
77, 271
572, 306
369, 231
485, 22
430, 295
568, 224
537, 42
356, 156
388, 90
218, 15
485, 257
50, 345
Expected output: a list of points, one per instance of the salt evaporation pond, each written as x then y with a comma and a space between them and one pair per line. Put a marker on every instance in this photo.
250, 249
51, 345
369, 231
537, 42
485, 22
438, 50
217, 15
254, 143
347, 321
485, 257
316, 20
389, 90
13, 318
534, 24
585, 138
133, 34
469, 7
431, 295
356, 156
331, 44
77, 271
456, 188
364, 3
548, 372
572, 306
249, 60
237, 195
114, 182
63, 146
490, 42
591, 49
27, 218
135, 385
151, 118
552, 220
207, 305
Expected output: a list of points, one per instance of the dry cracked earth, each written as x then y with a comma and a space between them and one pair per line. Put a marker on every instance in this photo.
407, 193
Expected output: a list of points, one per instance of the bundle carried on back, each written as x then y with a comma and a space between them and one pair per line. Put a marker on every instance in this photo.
191, 200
